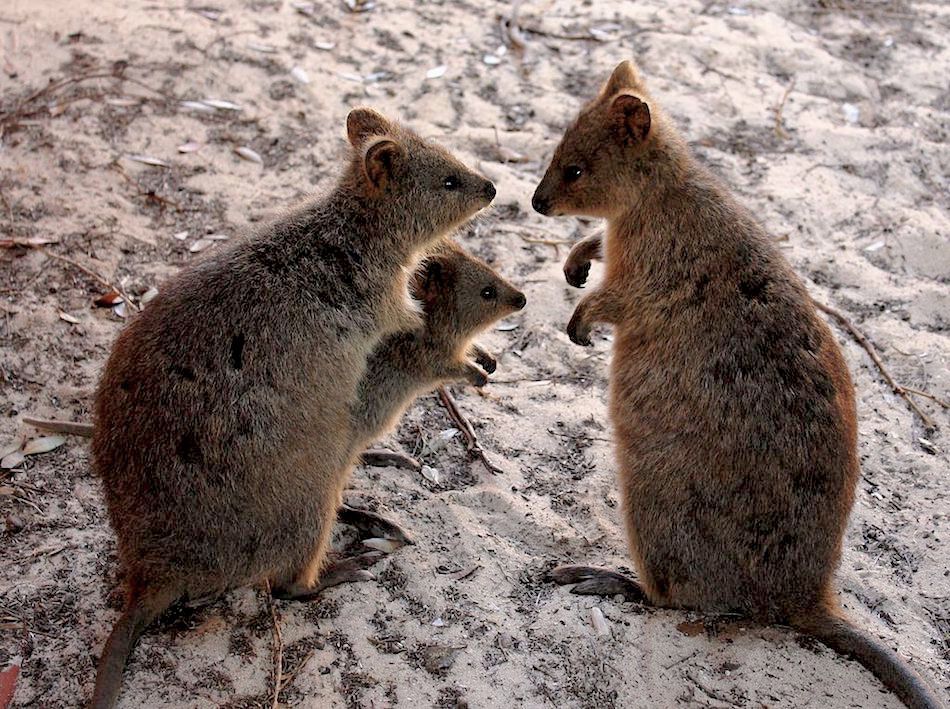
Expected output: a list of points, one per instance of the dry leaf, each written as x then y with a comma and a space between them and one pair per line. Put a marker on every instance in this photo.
349, 76
262, 48
29, 242
217, 237
8, 680
249, 155
108, 300
359, 5
691, 628
507, 327
190, 147
598, 621
43, 444
12, 460
509, 155
68, 318
121, 310
436, 72
223, 105
491, 59
148, 295
200, 245
11, 448
300, 75
123, 102
304, 8
148, 160
197, 106
387, 546
181, 235
431, 474
325, 46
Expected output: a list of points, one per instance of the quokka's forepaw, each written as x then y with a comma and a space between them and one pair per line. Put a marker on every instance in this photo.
578, 331
576, 273
475, 376
485, 361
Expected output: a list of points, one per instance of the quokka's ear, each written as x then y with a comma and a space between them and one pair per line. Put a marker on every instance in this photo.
382, 161
630, 118
361, 123
430, 280
625, 77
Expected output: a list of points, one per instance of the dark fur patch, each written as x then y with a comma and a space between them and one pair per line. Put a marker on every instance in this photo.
125, 385
188, 449
237, 351
699, 288
186, 373
753, 287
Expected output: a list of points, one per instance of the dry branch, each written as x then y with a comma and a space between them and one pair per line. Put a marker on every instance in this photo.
278, 646
471, 440
779, 128
862, 340
92, 274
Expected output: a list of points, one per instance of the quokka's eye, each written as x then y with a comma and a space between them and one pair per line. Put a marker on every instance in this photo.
489, 293
451, 182
572, 173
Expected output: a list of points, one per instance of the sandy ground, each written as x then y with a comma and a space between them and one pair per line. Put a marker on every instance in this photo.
853, 181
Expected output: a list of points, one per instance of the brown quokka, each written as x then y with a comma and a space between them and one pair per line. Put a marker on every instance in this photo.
460, 295
223, 418
732, 406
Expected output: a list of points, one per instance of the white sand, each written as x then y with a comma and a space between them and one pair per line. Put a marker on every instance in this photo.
861, 205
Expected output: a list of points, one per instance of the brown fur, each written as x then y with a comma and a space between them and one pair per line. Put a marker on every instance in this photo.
732, 406
222, 419
460, 296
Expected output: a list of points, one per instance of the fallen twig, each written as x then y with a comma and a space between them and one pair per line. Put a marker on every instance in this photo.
927, 395
278, 646
148, 194
289, 677
92, 274
779, 129
510, 31
554, 243
862, 340
17, 113
471, 440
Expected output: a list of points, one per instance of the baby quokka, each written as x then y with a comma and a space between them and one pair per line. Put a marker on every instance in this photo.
732, 407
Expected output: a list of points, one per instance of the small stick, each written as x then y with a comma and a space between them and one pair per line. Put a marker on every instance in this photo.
92, 274
510, 31
289, 677
278, 646
471, 440
869, 348
927, 395
779, 129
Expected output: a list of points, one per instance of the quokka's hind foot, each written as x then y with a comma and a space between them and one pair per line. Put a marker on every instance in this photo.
349, 570
596, 581
372, 524
381, 458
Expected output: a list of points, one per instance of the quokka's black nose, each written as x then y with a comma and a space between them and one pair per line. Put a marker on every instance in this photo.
489, 191
541, 205
520, 301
